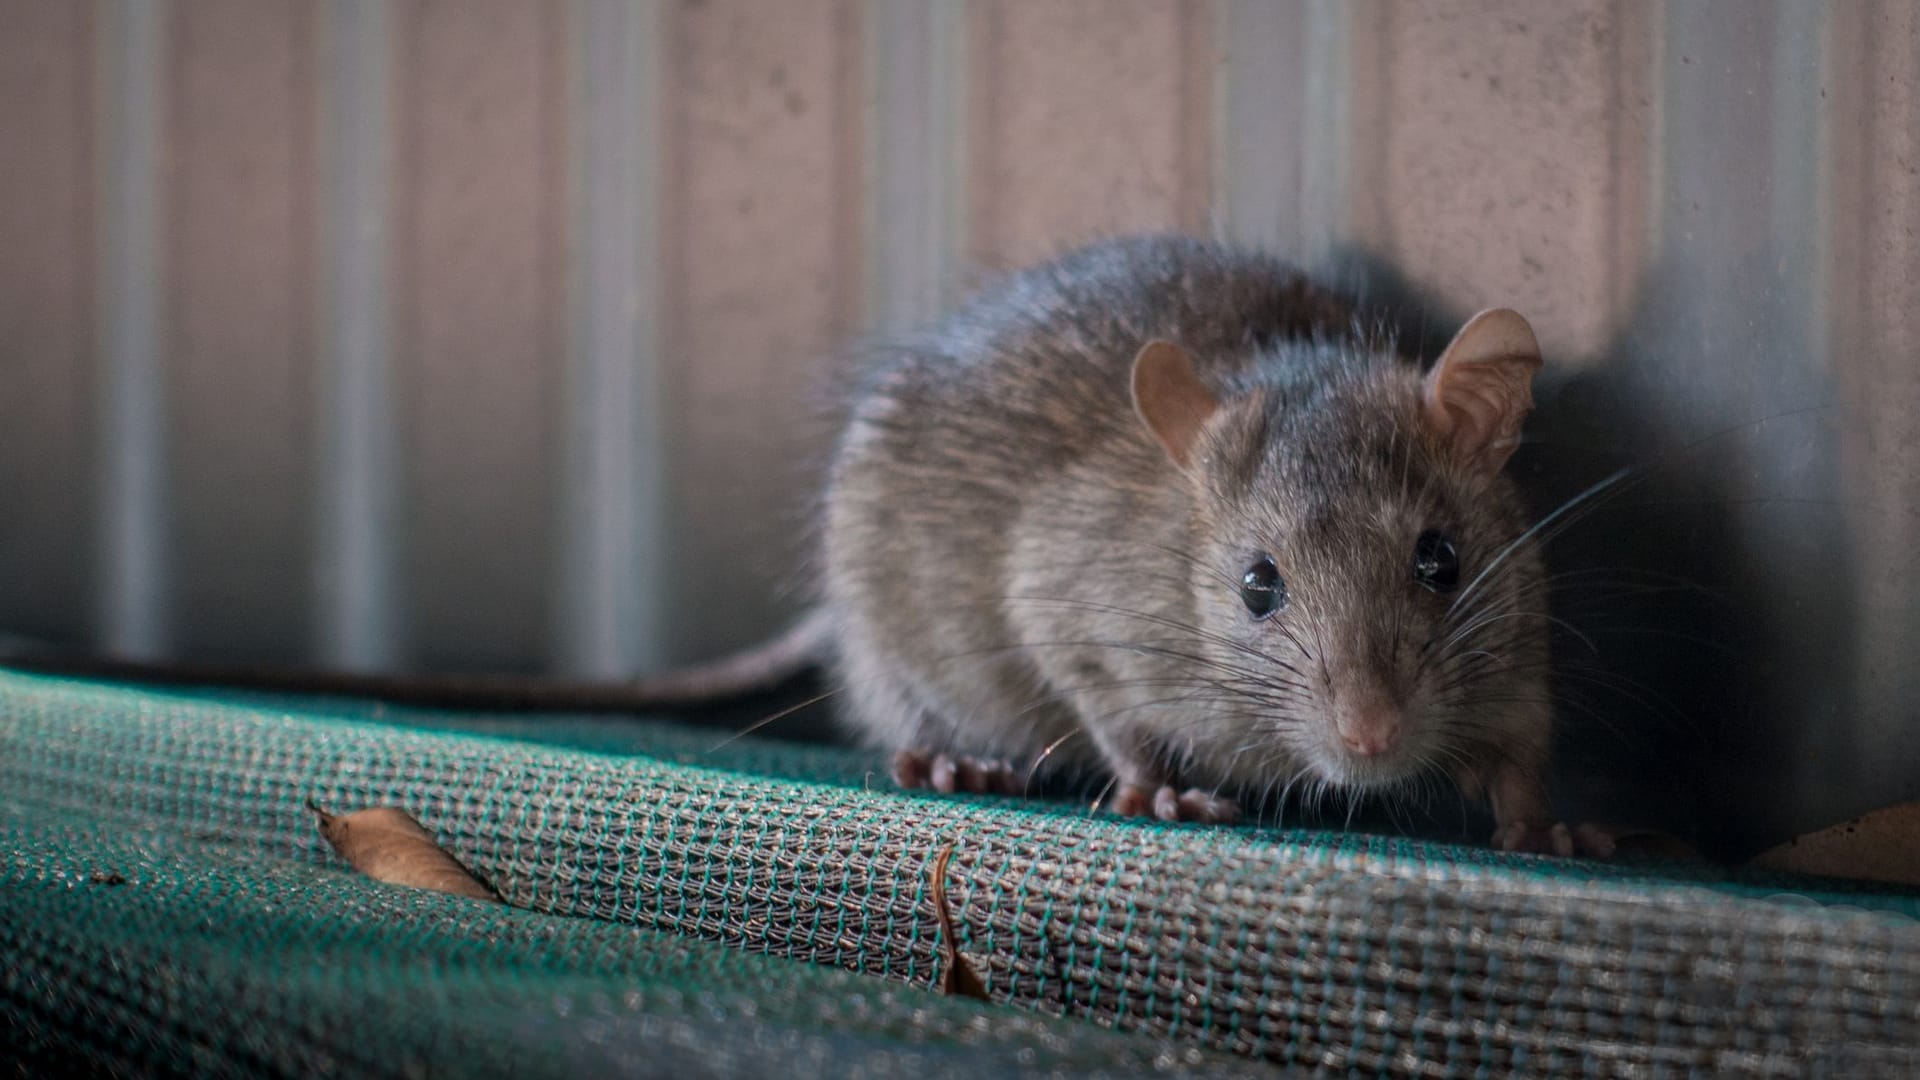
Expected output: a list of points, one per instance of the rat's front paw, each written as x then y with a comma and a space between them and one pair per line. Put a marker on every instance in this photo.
1167, 804
951, 772
1555, 839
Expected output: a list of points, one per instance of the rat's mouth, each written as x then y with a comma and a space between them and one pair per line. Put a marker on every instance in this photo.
1373, 736
1370, 772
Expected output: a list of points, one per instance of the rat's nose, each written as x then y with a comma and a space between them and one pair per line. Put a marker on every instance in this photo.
1371, 729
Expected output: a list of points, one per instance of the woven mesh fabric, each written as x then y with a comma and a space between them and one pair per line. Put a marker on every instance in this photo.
196, 957
239, 942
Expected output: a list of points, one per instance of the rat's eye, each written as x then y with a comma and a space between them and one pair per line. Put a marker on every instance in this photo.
1435, 564
1261, 588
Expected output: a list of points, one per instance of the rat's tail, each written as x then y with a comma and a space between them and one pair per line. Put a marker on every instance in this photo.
761, 669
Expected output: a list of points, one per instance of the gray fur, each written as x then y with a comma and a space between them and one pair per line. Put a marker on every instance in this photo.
1011, 560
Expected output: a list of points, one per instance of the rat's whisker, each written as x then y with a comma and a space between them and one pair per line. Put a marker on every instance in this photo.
1034, 769
1160, 620
781, 715
1122, 646
1102, 797
1489, 620
1563, 508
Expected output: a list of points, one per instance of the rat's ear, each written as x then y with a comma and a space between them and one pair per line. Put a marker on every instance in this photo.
1481, 389
1170, 397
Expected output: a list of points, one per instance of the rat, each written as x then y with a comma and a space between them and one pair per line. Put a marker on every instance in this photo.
1172, 513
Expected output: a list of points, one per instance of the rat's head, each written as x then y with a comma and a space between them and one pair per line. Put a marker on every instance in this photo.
1363, 582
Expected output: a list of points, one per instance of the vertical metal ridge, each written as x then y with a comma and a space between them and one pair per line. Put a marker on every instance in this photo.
1282, 116
611, 613
1742, 100
1262, 123
1730, 311
1202, 80
916, 157
355, 550
1635, 153
1328, 180
1795, 77
131, 584
1869, 211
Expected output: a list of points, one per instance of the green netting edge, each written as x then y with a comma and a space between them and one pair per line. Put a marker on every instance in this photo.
694, 747
1360, 953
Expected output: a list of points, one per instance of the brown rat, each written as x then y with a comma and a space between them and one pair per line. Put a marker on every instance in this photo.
1168, 512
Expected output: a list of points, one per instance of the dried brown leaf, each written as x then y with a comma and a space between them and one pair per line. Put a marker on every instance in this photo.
1881, 846
958, 977
387, 844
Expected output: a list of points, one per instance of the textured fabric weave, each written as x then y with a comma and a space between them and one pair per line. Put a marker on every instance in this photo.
167, 905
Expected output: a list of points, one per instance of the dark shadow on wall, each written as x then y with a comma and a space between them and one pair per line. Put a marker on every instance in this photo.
1706, 597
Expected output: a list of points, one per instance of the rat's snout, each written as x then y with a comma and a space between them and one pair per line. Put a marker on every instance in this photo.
1369, 725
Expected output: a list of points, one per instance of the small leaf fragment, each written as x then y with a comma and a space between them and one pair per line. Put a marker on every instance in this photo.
387, 844
958, 977
1881, 846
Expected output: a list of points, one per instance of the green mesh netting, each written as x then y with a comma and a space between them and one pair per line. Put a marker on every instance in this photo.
167, 905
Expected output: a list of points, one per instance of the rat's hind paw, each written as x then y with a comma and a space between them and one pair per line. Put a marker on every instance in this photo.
1590, 840
1193, 804
951, 773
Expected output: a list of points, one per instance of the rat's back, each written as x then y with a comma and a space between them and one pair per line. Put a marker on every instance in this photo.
1064, 333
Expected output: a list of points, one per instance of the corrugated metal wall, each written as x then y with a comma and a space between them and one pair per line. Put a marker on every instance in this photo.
479, 333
